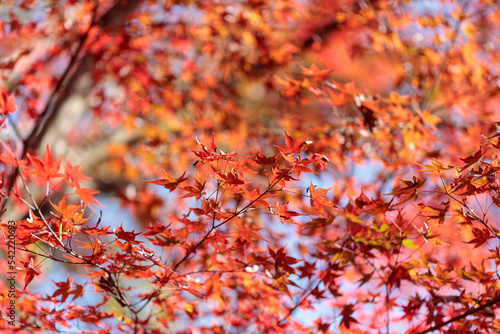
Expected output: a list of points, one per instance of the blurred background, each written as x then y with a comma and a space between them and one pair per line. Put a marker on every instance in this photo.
125, 87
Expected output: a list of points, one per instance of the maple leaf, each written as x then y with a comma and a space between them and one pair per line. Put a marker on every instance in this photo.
282, 175
318, 199
411, 310
307, 270
280, 282
70, 213
87, 196
64, 289
299, 167
8, 157
169, 182
261, 159
323, 327
257, 198
350, 88
72, 174
127, 236
48, 168
282, 260
290, 87
166, 239
78, 292
195, 191
346, 314
321, 160
210, 153
435, 166
428, 118
230, 177
205, 209
31, 271
292, 146
409, 189
249, 235
480, 236
153, 230
470, 160
319, 222
7, 102
378, 205
286, 216
195, 293
493, 143
434, 213
315, 72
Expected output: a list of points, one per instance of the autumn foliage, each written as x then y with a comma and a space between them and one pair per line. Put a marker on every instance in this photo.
250, 166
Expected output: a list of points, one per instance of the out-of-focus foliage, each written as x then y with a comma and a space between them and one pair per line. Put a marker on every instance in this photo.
325, 161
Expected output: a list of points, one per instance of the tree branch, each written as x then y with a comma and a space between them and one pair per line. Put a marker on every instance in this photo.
463, 315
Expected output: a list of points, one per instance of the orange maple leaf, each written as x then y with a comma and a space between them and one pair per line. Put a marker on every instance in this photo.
169, 182
286, 216
72, 174
318, 199
87, 196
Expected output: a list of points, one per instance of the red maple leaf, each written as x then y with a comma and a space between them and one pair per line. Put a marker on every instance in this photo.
64, 289
169, 182
409, 189
230, 178
261, 159
206, 152
7, 102
470, 160
480, 236
347, 318
286, 216
257, 198
195, 191
31, 271
78, 291
307, 270
8, 157
127, 236
48, 168
292, 146
282, 260
72, 174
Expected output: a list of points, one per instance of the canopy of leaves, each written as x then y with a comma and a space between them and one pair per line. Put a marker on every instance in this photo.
279, 166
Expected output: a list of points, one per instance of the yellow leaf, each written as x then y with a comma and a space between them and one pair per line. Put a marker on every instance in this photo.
408, 243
